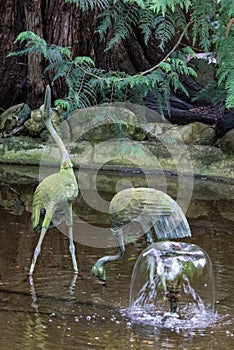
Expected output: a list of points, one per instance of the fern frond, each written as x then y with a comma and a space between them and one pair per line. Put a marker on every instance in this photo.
202, 18
34, 45
161, 6
160, 19
147, 22
63, 104
84, 60
86, 5
230, 90
165, 29
121, 18
224, 49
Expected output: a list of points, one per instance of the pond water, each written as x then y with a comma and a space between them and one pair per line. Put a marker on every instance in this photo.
57, 310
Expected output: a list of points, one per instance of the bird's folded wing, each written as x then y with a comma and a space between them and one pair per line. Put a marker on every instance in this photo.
173, 225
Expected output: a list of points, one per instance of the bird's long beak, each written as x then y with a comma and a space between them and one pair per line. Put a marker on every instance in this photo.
47, 102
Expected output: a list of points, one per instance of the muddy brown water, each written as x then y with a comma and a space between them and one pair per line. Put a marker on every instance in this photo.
55, 310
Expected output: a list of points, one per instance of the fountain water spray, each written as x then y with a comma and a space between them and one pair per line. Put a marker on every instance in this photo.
172, 279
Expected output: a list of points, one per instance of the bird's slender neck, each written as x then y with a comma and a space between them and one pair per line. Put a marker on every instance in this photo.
46, 111
65, 159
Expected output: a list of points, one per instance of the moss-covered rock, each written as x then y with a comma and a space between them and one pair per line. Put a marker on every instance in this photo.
158, 156
103, 123
124, 152
193, 133
155, 130
21, 150
13, 117
35, 125
227, 142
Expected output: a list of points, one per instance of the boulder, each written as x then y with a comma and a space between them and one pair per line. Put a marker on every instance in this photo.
35, 125
103, 123
21, 150
125, 153
13, 118
227, 142
193, 133
154, 130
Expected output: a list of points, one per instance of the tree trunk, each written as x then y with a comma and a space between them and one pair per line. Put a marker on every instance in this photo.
225, 124
64, 24
33, 17
13, 71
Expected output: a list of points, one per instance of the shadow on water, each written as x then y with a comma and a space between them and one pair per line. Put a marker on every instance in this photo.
58, 311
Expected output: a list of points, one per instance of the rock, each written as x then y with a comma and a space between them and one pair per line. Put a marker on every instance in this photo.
125, 153
154, 130
103, 123
198, 133
80, 153
227, 142
193, 133
13, 118
35, 125
21, 150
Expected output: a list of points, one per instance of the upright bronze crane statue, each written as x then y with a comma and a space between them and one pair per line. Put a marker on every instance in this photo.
56, 192
149, 208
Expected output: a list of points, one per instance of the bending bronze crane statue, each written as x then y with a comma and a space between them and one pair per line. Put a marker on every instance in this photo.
56, 192
149, 208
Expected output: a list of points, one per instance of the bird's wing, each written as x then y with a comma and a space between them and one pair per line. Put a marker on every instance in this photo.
171, 224
42, 197
150, 207
36, 207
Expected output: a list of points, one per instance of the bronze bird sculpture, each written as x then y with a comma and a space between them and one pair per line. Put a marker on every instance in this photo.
149, 208
56, 193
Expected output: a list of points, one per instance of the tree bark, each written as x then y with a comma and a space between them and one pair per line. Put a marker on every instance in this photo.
225, 124
13, 71
182, 116
33, 17
62, 24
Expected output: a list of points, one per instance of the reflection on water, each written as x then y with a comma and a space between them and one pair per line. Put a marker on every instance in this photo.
58, 312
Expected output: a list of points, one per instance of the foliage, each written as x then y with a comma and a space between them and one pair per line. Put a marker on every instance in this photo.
224, 40
88, 85
207, 24
123, 17
85, 5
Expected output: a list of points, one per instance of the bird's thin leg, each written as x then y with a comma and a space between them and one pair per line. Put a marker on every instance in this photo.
45, 226
69, 222
120, 240
33, 293
37, 250
149, 237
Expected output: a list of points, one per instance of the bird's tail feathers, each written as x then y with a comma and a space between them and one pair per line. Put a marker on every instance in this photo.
172, 226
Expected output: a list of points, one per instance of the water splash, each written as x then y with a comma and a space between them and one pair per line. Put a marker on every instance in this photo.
172, 286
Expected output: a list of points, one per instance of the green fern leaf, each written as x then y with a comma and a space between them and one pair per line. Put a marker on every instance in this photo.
81, 60
86, 5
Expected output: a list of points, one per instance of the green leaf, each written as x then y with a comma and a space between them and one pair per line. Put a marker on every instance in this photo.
79, 60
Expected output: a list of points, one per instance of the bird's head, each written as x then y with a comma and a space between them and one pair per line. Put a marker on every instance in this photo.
98, 271
45, 109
